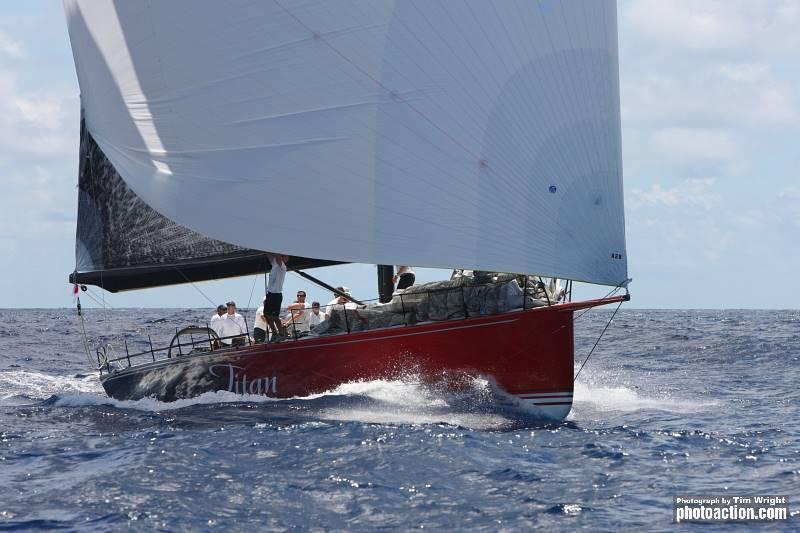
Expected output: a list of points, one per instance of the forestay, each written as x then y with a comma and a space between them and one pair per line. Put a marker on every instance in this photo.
471, 134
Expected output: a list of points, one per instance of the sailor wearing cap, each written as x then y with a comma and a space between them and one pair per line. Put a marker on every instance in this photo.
214, 323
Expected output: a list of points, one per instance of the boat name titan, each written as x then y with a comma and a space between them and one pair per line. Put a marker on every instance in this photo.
239, 384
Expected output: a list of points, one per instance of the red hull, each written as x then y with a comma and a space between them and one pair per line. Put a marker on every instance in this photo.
526, 354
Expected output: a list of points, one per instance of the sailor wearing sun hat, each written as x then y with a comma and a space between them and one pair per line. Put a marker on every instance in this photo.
340, 302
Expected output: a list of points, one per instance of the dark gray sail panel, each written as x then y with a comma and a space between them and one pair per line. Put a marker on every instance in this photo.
122, 243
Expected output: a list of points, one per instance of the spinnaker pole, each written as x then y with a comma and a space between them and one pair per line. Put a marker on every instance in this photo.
326, 286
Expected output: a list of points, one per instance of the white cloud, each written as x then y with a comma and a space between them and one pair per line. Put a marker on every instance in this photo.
716, 25
790, 194
10, 47
695, 239
38, 157
696, 192
42, 201
43, 110
743, 72
694, 25
710, 63
687, 144
789, 204
41, 123
692, 226
721, 93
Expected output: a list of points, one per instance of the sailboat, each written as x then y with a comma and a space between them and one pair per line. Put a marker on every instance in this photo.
471, 134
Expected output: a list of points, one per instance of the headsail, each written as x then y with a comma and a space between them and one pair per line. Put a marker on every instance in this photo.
476, 134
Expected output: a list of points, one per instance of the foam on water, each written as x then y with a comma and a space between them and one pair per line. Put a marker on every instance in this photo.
403, 401
408, 392
38, 385
153, 405
594, 397
409, 401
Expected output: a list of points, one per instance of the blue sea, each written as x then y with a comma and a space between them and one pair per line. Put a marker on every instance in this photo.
670, 403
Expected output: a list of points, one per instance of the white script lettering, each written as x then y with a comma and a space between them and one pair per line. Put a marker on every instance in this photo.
239, 383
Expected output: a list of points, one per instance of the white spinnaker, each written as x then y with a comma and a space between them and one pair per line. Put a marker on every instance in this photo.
472, 134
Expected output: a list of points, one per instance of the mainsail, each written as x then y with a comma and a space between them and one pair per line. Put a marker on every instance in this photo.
474, 134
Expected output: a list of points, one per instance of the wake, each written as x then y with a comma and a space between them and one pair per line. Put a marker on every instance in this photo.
595, 398
405, 401
24, 384
402, 401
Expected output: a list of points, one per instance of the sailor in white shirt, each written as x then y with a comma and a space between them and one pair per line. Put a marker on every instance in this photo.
260, 325
297, 319
272, 303
314, 316
233, 324
340, 302
214, 323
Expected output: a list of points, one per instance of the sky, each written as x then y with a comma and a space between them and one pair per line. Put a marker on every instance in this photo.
710, 94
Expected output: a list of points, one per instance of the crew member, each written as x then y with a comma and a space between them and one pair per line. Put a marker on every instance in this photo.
298, 315
260, 326
214, 323
315, 317
404, 277
272, 303
233, 327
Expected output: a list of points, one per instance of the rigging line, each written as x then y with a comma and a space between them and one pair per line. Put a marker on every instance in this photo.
98, 302
597, 342
196, 287
609, 294
80, 315
103, 296
83, 328
253, 288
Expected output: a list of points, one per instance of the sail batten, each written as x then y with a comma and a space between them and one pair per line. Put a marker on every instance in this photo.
473, 134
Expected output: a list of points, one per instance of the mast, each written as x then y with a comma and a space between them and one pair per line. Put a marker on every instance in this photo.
385, 283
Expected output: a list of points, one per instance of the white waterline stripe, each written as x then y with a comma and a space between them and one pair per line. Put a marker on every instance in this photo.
544, 394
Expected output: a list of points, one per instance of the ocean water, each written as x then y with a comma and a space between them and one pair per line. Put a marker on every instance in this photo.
671, 402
